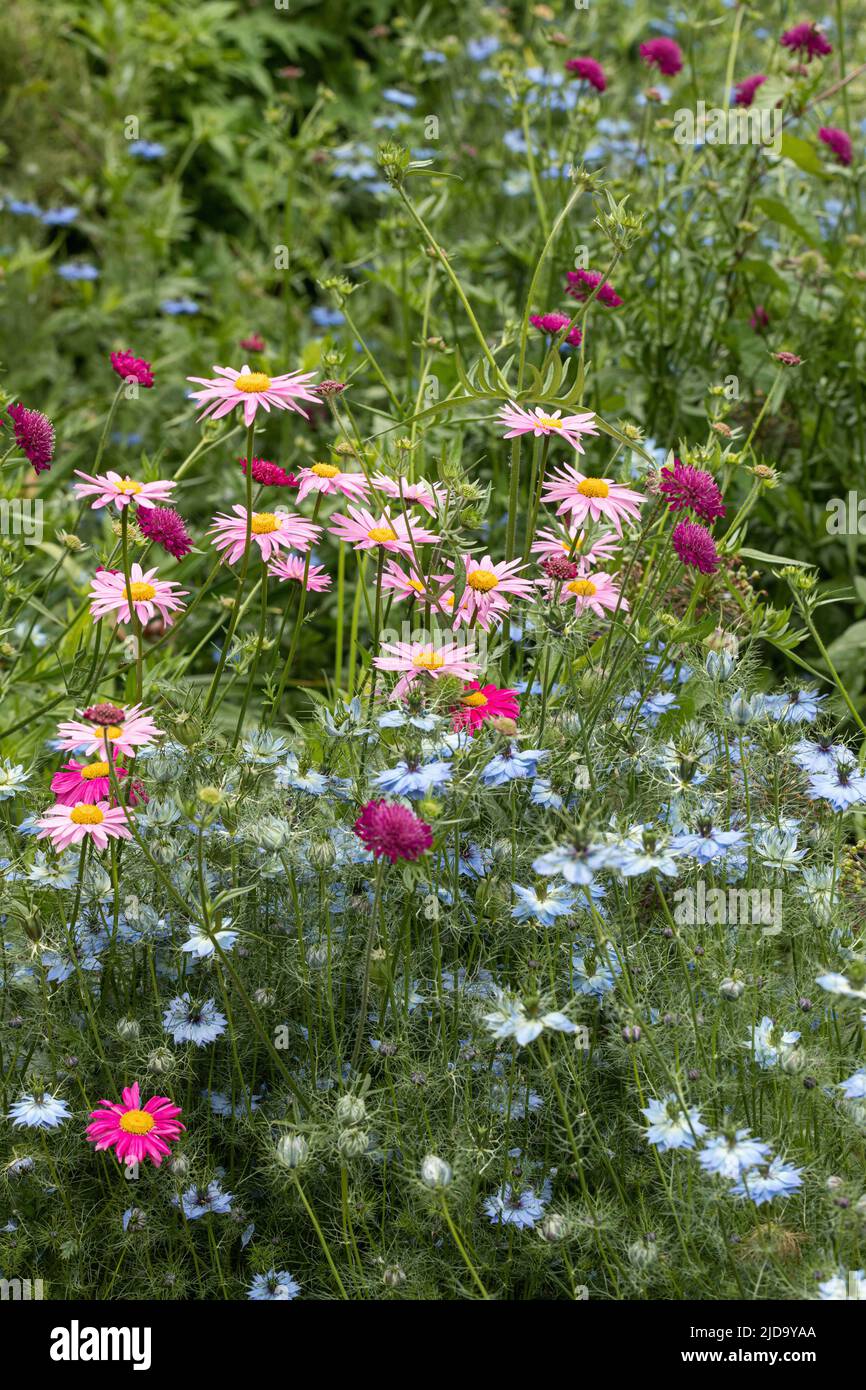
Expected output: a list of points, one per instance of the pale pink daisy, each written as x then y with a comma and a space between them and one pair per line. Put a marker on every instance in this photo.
270, 531
574, 543
417, 659
413, 585
540, 422
251, 390
487, 584
133, 1130
596, 592
107, 725
600, 499
293, 566
69, 825
365, 531
430, 496
326, 478
110, 487
150, 595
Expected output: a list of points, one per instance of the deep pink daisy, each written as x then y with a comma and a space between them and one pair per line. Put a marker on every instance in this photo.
387, 828
480, 702
270, 474
132, 368
553, 324
664, 54
581, 284
839, 141
744, 92
165, 527
696, 547
806, 39
85, 782
691, 489
588, 70
133, 1130
34, 435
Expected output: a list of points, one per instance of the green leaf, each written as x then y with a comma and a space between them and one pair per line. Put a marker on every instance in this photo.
803, 225
804, 155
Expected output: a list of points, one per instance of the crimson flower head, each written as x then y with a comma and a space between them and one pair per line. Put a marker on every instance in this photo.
388, 828
839, 141
166, 527
554, 323
134, 368
581, 284
34, 435
664, 54
808, 39
691, 489
744, 92
760, 319
788, 359
588, 70
271, 474
696, 547
254, 343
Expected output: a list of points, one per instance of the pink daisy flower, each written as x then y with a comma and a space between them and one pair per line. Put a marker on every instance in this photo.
417, 659
69, 825
412, 585
581, 284
553, 324
569, 427
389, 829
270, 474
165, 527
696, 547
326, 478
588, 70
34, 435
691, 489
85, 782
744, 92
573, 543
596, 592
103, 726
664, 54
133, 1130
293, 566
365, 531
486, 587
807, 39
839, 141
430, 496
600, 499
132, 368
251, 390
150, 595
480, 702
121, 491
270, 531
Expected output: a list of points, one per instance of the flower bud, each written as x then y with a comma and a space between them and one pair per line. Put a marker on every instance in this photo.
435, 1172
292, 1150
352, 1143
351, 1110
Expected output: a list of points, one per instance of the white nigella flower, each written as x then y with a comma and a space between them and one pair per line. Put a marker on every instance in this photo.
510, 1018
778, 849
817, 887
12, 779
202, 944
768, 1045
435, 1172
39, 1110
671, 1125
849, 986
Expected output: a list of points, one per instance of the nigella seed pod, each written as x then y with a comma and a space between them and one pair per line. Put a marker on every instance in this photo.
351, 1110
292, 1150
631, 1033
553, 1227
160, 1061
317, 957
435, 1172
180, 1166
394, 1277
643, 1253
352, 1143
129, 1029
732, 988
322, 853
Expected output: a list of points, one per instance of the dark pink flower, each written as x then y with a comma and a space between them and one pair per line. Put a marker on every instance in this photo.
760, 318
481, 702
691, 489
135, 368
331, 388
839, 141
744, 92
270, 474
388, 828
588, 70
696, 547
581, 284
788, 359
254, 343
553, 324
34, 435
808, 39
559, 567
664, 54
164, 526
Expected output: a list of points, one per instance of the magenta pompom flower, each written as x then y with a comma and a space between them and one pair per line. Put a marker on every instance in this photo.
600, 499
808, 40
34, 435
110, 487
270, 474
691, 489
165, 527
483, 598
85, 782
293, 566
481, 702
69, 825
389, 829
537, 422
553, 324
136, 1131
330, 481
132, 368
108, 726
588, 70
150, 595
839, 141
581, 284
254, 343
744, 92
664, 54
415, 660
365, 531
270, 531
250, 390
696, 547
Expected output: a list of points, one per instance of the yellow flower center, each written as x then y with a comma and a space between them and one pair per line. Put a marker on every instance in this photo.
380, 534
593, 487
325, 470
584, 587
113, 731
482, 580
264, 523
447, 601
94, 770
253, 381
136, 1122
141, 591
128, 486
86, 815
428, 661
549, 423
416, 585
475, 699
